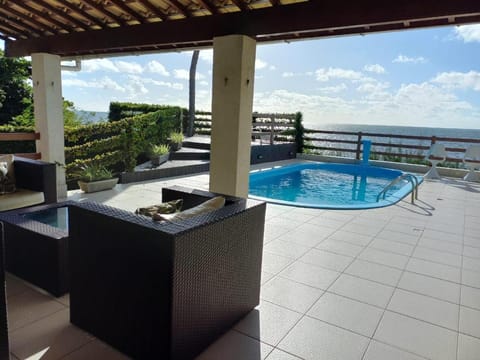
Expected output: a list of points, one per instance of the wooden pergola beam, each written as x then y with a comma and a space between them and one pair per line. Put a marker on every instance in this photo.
324, 18
63, 15
126, 9
79, 9
156, 11
40, 16
106, 12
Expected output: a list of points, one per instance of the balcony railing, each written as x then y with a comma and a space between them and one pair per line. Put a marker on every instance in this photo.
390, 146
22, 136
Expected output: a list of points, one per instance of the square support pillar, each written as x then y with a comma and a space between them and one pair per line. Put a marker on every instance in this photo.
48, 108
232, 102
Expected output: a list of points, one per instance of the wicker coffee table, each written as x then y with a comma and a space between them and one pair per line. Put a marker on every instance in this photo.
36, 244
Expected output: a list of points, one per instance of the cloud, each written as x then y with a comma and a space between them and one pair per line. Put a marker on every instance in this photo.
175, 86
129, 67
372, 87
337, 73
183, 74
468, 33
104, 83
157, 68
111, 66
206, 55
459, 80
375, 68
333, 89
288, 74
405, 59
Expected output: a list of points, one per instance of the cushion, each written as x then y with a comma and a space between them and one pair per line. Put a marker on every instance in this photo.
205, 207
9, 160
163, 208
20, 198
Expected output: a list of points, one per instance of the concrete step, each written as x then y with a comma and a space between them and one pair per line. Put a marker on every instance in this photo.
196, 145
188, 153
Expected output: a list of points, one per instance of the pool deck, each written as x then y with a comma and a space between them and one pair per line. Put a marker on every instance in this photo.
401, 282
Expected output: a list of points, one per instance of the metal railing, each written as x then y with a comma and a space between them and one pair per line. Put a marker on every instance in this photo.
411, 179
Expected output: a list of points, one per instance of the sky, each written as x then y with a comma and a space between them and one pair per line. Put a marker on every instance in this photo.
428, 77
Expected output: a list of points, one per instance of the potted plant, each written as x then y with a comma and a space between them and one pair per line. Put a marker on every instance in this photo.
94, 177
176, 139
159, 154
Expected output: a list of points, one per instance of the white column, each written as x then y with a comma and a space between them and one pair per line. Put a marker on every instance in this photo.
48, 105
232, 101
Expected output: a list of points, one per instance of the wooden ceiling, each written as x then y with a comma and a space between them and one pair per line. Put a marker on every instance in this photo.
86, 28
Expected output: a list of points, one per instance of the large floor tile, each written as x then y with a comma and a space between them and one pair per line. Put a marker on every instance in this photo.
362, 290
425, 308
375, 272
290, 294
362, 229
351, 237
470, 321
470, 297
472, 264
310, 275
379, 351
268, 323
286, 249
235, 346
54, 333
397, 236
471, 278
277, 354
30, 306
438, 256
326, 259
472, 251
392, 246
340, 247
440, 245
95, 350
273, 263
442, 235
384, 258
346, 313
436, 270
418, 337
426, 285
313, 339
468, 348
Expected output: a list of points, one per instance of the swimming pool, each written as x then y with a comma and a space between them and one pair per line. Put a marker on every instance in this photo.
328, 186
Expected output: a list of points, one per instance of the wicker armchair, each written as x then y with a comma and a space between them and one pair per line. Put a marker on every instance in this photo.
164, 290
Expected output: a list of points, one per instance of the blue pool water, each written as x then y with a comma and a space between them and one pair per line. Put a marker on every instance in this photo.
328, 185
56, 217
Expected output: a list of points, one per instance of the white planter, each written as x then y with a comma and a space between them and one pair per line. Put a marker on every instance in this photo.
94, 186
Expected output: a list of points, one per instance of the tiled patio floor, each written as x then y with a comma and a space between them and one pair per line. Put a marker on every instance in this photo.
402, 282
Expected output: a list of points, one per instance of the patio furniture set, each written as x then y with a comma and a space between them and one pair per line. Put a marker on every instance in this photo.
147, 288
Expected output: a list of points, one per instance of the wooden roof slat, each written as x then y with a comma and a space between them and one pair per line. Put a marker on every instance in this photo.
179, 7
106, 12
79, 10
208, 6
289, 20
12, 29
156, 11
41, 27
241, 5
63, 15
126, 9
41, 16
19, 24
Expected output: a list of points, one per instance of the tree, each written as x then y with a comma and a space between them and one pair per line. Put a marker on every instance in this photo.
15, 91
191, 93
70, 117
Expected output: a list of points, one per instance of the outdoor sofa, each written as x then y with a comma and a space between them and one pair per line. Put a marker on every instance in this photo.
35, 181
164, 290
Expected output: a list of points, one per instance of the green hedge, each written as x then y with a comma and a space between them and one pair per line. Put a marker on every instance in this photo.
117, 145
121, 110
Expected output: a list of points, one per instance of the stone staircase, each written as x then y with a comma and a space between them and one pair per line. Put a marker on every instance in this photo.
192, 150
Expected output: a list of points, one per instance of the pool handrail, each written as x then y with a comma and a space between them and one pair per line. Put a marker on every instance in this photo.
411, 179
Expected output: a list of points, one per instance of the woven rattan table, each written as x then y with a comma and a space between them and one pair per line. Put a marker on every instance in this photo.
36, 251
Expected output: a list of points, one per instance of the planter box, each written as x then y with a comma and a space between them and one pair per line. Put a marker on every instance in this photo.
94, 186
159, 160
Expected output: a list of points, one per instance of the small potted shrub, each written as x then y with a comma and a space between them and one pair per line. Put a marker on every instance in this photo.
176, 139
159, 154
95, 177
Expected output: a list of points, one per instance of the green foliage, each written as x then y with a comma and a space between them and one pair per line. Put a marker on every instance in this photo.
120, 110
12, 147
158, 150
26, 118
93, 172
176, 137
15, 92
